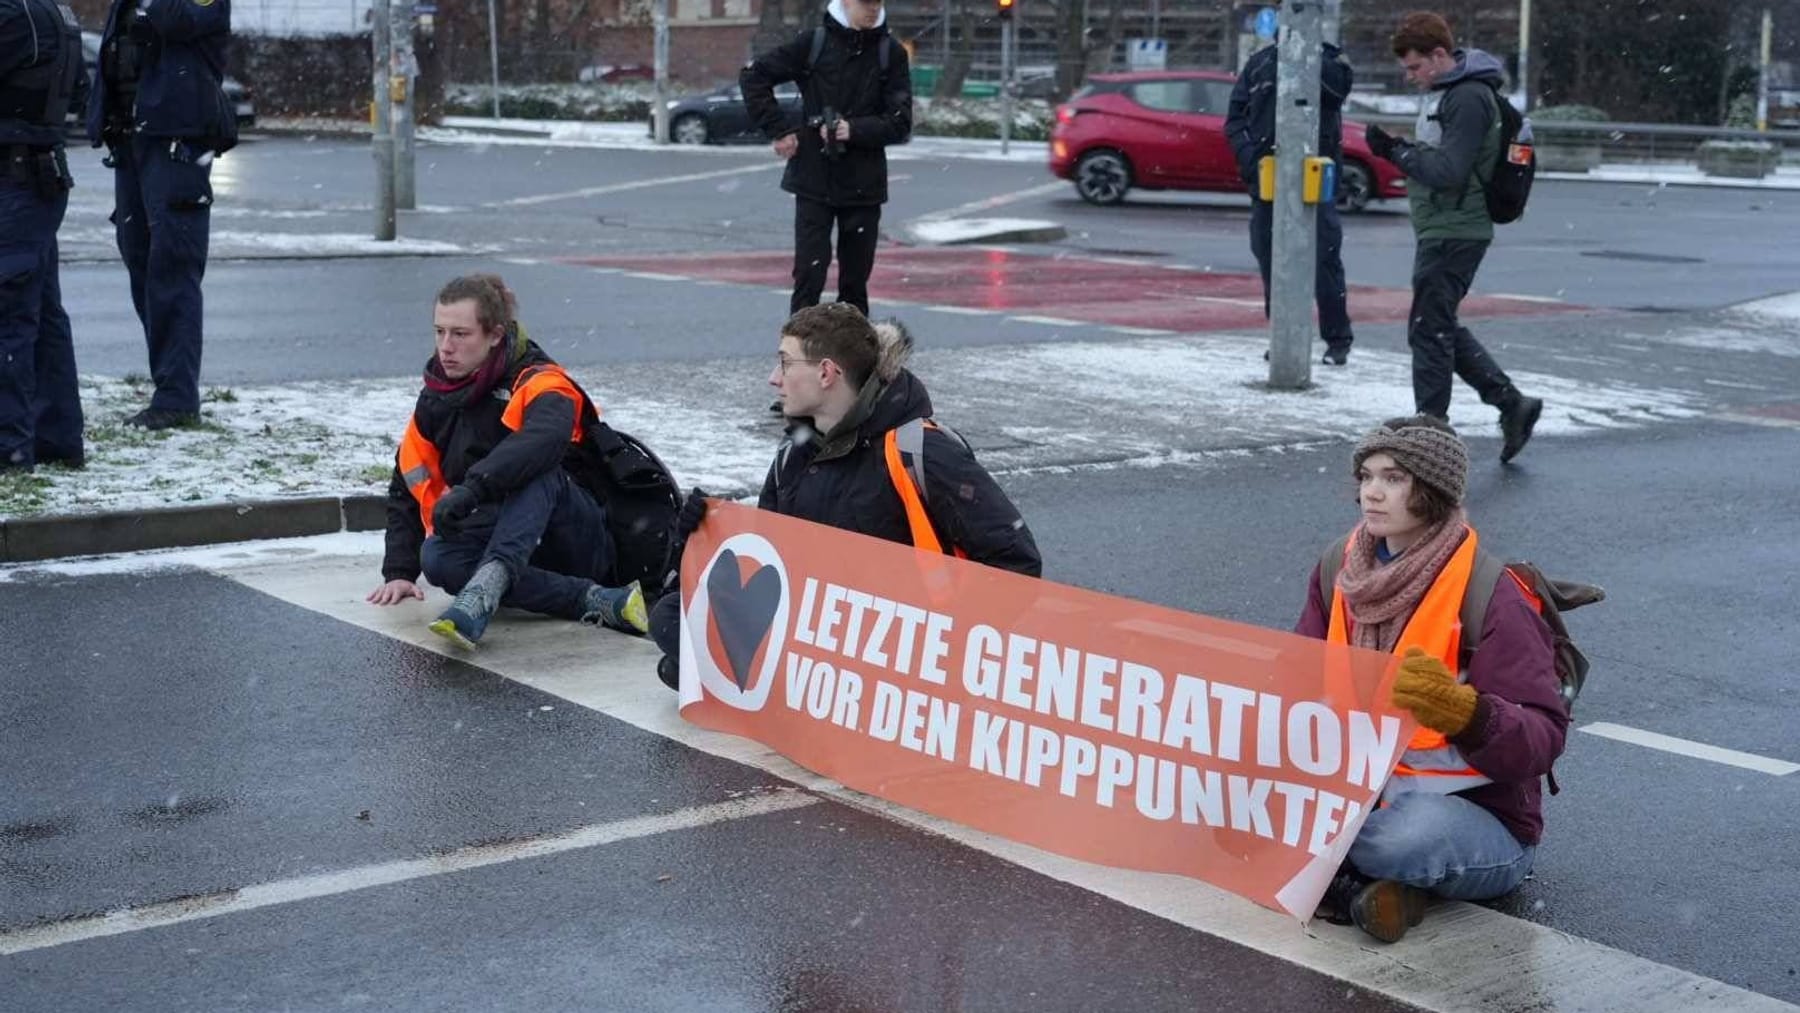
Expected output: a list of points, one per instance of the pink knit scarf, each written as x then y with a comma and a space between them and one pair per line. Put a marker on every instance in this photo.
1381, 597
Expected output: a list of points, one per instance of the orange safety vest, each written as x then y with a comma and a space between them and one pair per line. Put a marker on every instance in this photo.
420, 465
904, 448
1430, 763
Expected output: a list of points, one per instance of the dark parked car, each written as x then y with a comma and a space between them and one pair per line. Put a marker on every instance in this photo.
719, 117
1165, 130
235, 92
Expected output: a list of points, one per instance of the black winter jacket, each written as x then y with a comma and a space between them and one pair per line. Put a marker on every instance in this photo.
848, 78
476, 449
1250, 116
843, 481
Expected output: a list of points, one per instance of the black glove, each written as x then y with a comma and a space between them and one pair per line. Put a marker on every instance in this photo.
1380, 142
453, 506
1250, 171
693, 511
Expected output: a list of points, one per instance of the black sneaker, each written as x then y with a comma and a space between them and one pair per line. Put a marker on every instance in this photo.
1516, 424
162, 418
669, 671
1337, 353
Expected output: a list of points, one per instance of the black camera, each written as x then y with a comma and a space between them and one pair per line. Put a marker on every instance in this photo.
829, 119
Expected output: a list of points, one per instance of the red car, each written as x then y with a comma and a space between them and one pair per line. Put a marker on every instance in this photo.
1165, 130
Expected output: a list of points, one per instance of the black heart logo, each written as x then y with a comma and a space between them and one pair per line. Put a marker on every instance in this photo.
742, 610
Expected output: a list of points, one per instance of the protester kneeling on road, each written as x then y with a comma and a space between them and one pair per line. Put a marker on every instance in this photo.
485, 497
1461, 816
847, 394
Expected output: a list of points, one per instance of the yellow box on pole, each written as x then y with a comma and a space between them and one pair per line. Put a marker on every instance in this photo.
1318, 180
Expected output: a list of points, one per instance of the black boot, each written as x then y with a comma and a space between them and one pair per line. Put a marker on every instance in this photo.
1334, 907
1517, 419
1385, 909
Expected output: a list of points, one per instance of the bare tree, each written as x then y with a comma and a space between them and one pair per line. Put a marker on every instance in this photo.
956, 69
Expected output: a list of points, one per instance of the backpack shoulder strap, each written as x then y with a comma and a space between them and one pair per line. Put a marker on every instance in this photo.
887, 45
1329, 564
818, 46
1487, 573
904, 449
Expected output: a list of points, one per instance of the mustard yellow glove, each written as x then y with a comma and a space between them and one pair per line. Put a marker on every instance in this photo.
1430, 690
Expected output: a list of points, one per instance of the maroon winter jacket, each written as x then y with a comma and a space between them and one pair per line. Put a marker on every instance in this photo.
1520, 720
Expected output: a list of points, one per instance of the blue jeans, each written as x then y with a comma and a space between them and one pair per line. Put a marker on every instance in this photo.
550, 535
1442, 843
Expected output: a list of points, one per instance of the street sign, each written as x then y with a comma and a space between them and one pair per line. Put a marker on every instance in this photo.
1147, 54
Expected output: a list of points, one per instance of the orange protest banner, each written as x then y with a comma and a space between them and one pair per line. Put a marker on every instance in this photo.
1096, 727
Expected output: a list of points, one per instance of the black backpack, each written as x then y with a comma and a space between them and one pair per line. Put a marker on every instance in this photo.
1553, 598
1508, 184
638, 493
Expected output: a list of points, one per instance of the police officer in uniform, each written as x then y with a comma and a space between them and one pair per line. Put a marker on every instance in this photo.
159, 108
41, 77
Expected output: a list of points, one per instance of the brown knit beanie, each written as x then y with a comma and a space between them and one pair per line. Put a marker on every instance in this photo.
1424, 445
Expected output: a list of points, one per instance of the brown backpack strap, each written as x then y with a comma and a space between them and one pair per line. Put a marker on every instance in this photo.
1329, 565
1487, 574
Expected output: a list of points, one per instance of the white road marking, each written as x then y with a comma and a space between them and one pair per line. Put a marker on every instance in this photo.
326, 884
1052, 321
966, 311
1690, 748
1523, 965
655, 276
636, 184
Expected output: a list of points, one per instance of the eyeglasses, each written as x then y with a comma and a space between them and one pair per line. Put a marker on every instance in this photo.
783, 362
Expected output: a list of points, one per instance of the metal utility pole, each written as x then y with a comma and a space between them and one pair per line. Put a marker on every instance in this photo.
494, 55
405, 75
1762, 73
944, 38
1525, 53
1006, 84
383, 141
1295, 260
659, 104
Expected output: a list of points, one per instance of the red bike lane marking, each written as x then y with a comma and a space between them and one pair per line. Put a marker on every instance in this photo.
1107, 292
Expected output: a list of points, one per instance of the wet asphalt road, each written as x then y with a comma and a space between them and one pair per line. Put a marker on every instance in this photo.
1604, 245
201, 738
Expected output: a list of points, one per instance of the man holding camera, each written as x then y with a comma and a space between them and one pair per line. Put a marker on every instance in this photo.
856, 87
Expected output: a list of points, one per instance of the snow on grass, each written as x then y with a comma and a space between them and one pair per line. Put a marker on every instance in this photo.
324, 438
1076, 404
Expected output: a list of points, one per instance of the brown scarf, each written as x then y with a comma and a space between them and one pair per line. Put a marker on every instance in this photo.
1381, 597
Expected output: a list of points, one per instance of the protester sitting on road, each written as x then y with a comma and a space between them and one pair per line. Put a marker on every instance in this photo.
485, 498
845, 389
1461, 817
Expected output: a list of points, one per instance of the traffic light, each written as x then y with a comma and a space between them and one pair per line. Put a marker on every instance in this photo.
1003, 9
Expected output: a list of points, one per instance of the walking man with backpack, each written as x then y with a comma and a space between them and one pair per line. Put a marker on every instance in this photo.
1454, 158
